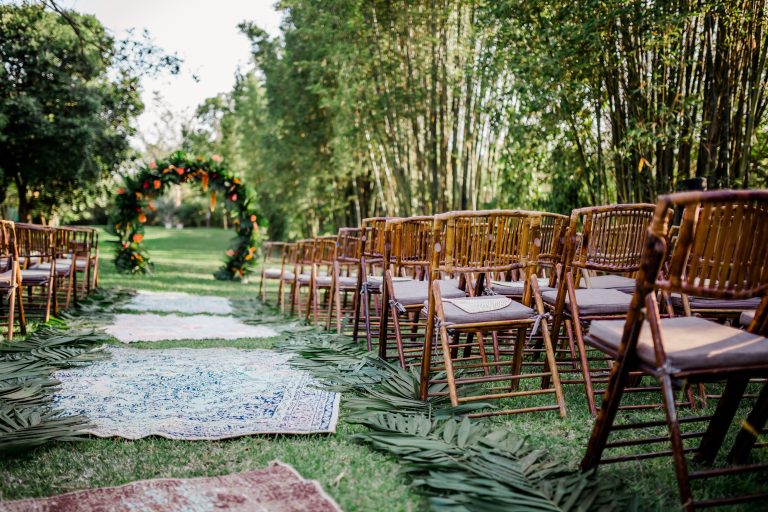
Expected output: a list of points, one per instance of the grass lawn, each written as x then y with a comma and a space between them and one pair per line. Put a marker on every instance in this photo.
357, 477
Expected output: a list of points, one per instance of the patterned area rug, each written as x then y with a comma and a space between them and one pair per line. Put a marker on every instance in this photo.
276, 488
179, 302
196, 394
129, 328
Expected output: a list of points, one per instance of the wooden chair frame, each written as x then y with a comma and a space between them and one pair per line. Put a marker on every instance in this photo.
303, 258
274, 252
721, 252
324, 257
600, 238
36, 243
11, 282
481, 243
346, 264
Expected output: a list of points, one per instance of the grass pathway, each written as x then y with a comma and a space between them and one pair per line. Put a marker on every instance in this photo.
357, 477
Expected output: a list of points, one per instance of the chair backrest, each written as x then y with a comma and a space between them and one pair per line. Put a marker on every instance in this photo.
70, 240
35, 242
608, 238
325, 250
485, 241
373, 238
274, 252
304, 253
348, 245
7, 250
553, 230
409, 242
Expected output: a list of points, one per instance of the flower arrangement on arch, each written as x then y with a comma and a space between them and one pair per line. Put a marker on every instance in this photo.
134, 198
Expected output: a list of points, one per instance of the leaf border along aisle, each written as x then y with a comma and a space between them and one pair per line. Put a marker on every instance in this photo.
134, 199
27, 417
462, 465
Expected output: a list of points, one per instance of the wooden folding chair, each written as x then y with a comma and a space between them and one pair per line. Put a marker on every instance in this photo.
483, 243
407, 252
303, 257
35, 246
345, 277
606, 239
85, 250
321, 279
369, 278
276, 257
10, 280
721, 253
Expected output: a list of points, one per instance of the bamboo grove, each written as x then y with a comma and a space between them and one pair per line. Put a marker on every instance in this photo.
370, 107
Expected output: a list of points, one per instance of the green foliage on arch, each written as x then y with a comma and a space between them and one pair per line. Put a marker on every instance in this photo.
135, 199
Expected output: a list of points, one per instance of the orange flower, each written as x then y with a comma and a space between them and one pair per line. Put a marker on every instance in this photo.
153, 165
120, 191
216, 158
142, 218
204, 180
253, 218
249, 257
180, 171
138, 238
230, 253
157, 184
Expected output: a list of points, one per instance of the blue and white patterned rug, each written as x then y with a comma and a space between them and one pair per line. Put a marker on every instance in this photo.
196, 394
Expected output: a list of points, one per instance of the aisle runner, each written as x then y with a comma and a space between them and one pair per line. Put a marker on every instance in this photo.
276, 488
179, 302
196, 394
129, 328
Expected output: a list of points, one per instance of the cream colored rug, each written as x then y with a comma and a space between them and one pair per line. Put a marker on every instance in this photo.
179, 302
130, 328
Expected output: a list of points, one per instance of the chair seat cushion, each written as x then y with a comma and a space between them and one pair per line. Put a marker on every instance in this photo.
273, 273
347, 281
691, 343
703, 303
515, 288
375, 282
746, 318
63, 266
594, 301
35, 276
611, 282
81, 264
6, 278
455, 315
411, 293
304, 278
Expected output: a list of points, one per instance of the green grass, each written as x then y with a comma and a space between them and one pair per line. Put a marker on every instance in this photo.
356, 476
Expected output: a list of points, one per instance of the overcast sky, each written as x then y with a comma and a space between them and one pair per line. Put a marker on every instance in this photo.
202, 32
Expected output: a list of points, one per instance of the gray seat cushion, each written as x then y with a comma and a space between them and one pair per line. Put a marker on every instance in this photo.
304, 278
347, 281
746, 318
35, 276
63, 267
691, 343
515, 288
594, 301
272, 273
456, 316
611, 282
703, 303
6, 278
410, 293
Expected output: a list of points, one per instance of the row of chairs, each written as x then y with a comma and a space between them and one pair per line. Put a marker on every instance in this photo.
498, 305
44, 269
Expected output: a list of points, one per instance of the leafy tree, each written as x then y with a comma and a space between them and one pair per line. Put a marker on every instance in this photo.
69, 92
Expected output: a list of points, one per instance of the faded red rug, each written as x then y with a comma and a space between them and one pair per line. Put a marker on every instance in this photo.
278, 488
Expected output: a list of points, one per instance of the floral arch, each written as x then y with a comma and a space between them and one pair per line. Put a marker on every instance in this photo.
135, 199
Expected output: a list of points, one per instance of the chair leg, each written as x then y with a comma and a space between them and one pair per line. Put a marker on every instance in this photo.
722, 418
445, 342
261, 287
20, 304
517, 358
11, 311
754, 424
675, 437
587, 376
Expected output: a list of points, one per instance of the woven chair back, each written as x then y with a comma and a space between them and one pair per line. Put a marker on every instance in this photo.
7, 251
373, 237
411, 241
35, 242
325, 249
485, 241
721, 249
609, 238
348, 245
553, 229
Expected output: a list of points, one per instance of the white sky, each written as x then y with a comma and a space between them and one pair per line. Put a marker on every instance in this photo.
203, 33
